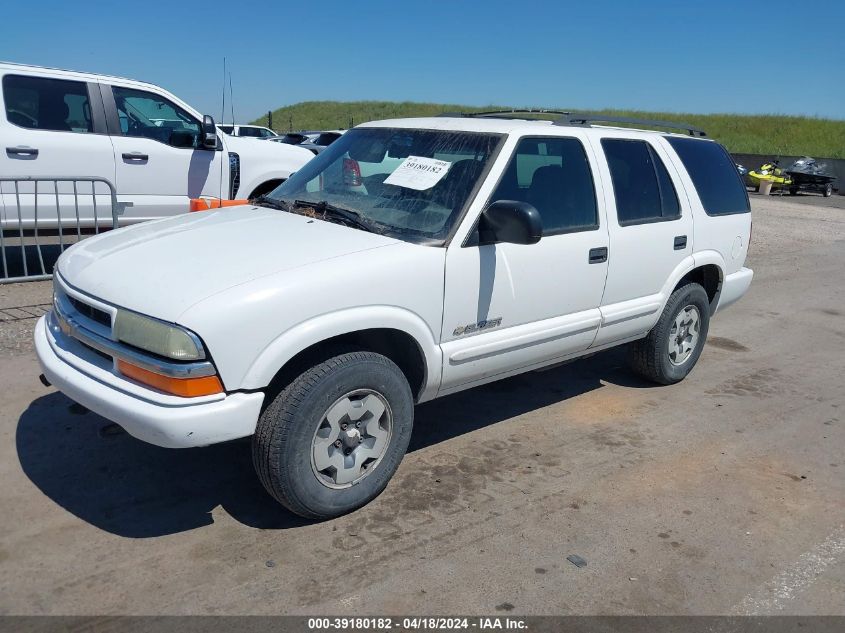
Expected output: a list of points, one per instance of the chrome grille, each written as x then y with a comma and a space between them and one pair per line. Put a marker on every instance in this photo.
90, 327
95, 314
234, 174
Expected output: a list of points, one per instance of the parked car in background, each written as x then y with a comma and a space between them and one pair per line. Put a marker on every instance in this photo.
412, 259
295, 138
314, 142
155, 149
251, 131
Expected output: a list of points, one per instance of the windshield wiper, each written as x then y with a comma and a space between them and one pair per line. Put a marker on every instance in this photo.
351, 218
272, 203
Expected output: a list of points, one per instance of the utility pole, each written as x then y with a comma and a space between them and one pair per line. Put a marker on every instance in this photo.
270, 119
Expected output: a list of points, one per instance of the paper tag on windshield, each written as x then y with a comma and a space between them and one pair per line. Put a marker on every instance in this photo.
418, 172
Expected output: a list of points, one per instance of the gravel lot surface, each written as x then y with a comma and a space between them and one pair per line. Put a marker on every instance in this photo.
723, 494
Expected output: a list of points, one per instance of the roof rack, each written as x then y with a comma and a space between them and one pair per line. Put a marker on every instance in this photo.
495, 113
587, 118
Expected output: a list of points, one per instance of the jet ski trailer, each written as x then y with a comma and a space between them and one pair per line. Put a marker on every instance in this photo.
807, 175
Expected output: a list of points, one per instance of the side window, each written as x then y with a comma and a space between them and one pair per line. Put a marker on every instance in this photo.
227, 128
714, 175
47, 104
148, 115
554, 176
250, 131
643, 189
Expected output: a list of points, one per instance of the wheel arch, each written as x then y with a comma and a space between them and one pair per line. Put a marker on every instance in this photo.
706, 268
251, 181
266, 187
399, 335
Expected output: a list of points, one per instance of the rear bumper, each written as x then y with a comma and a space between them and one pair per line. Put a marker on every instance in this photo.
734, 286
153, 417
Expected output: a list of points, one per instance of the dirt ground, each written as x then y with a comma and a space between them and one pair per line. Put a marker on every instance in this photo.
724, 494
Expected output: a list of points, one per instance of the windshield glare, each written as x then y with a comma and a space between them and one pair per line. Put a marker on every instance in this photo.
412, 184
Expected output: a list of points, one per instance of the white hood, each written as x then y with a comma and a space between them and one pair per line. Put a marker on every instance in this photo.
164, 267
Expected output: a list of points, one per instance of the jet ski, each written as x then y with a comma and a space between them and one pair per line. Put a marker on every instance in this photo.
806, 173
769, 172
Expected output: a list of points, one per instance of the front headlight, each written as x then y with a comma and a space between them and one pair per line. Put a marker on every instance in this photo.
156, 336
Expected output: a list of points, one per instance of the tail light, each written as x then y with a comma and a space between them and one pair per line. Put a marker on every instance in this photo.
351, 173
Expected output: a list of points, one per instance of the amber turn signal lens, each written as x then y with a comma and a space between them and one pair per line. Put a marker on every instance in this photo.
185, 387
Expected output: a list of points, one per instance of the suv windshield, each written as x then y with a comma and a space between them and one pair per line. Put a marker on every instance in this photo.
411, 184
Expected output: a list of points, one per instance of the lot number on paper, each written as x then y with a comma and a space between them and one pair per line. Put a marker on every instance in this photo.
418, 172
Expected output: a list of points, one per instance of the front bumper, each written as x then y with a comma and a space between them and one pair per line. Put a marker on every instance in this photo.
149, 415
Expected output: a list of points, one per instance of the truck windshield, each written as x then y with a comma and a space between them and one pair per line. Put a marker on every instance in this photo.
413, 184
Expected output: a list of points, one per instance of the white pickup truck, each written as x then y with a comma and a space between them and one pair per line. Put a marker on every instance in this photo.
156, 150
411, 259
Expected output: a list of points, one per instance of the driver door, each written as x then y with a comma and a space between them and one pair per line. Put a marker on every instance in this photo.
510, 307
160, 163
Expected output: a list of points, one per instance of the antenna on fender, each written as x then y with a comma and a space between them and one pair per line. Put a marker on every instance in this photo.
231, 99
222, 120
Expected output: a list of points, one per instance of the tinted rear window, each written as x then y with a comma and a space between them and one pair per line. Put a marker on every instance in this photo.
644, 191
47, 104
714, 175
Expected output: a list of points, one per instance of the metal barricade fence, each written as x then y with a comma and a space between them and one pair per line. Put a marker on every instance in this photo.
40, 217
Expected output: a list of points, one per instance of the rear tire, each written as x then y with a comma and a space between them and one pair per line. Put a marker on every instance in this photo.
828, 190
330, 441
673, 346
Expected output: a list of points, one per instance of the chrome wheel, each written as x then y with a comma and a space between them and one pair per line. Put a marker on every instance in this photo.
684, 335
351, 439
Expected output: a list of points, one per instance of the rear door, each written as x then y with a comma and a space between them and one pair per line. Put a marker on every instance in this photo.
508, 307
160, 164
52, 128
651, 234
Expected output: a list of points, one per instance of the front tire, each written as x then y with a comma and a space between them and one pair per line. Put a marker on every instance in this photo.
673, 346
330, 441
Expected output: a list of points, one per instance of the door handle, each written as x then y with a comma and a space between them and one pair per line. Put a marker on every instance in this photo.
20, 150
135, 156
598, 255
680, 242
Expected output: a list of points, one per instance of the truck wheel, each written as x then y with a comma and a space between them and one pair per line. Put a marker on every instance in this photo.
673, 346
793, 191
331, 440
828, 190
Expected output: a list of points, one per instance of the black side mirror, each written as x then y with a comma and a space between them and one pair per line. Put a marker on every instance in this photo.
510, 221
209, 133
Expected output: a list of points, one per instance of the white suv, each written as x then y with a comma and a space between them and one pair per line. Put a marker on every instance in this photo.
412, 259
250, 131
156, 150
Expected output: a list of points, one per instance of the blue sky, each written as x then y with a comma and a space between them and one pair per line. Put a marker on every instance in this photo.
751, 57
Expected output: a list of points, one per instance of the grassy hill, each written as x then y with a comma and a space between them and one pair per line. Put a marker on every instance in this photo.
752, 134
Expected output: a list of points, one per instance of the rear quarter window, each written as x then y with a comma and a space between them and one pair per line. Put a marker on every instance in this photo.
714, 174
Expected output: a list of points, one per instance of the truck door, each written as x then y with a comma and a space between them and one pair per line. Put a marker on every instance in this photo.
53, 128
510, 306
159, 160
651, 234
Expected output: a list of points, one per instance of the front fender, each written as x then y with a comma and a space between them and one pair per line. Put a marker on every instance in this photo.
253, 181
332, 324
